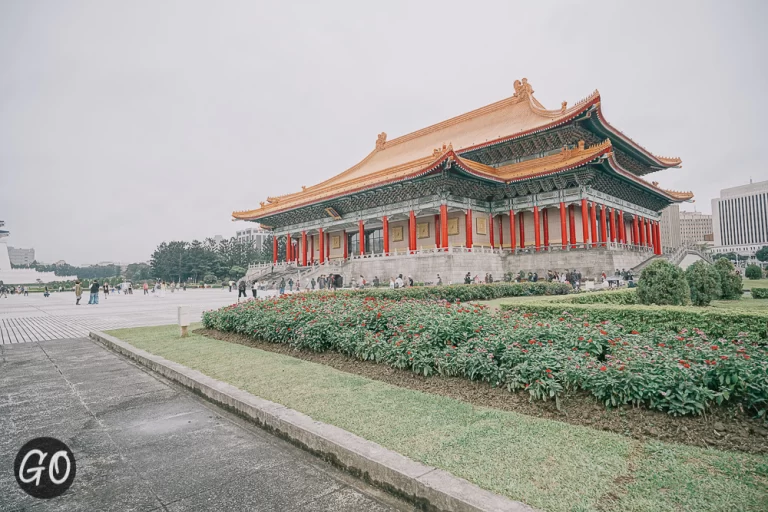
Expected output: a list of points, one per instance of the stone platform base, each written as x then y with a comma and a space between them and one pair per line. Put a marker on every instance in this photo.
452, 267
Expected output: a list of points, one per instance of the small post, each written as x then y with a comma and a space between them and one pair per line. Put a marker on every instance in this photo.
183, 313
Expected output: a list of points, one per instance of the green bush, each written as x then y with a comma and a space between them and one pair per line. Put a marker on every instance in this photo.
464, 292
625, 297
760, 293
682, 373
663, 283
209, 279
714, 322
753, 272
703, 282
730, 281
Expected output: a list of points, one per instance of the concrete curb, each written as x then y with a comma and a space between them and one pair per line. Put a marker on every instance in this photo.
427, 487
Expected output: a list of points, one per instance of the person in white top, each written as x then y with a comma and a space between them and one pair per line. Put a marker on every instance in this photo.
399, 282
392, 283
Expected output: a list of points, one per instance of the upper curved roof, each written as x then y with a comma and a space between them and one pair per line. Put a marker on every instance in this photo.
399, 158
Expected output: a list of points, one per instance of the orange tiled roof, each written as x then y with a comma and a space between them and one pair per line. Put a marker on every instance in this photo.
404, 157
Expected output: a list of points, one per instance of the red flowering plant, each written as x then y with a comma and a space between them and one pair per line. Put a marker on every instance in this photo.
682, 372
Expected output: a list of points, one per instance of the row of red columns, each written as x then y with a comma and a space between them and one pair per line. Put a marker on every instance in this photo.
644, 231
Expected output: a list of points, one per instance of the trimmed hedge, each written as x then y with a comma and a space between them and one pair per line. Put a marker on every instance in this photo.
623, 297
760, 293
464, 292
715, 323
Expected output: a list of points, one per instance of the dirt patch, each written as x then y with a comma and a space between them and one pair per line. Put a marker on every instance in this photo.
725, 428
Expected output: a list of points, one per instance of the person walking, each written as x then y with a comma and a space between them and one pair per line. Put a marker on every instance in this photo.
241, 290
290, 284
3, 290
313, 283
399, 281
468, 278
106, 290
145, 287
391, 283
439, 280
255, 287
163, 287
282, 286
78, 292
94, 292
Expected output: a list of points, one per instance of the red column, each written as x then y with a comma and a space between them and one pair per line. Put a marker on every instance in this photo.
385, 228
603, 226
437, 230
593, 221
635, 236
443, 225
288, 247
328, 246
512, 240
563, 226
412, 231
613, 225
304, 248
490, 228
321, 237
641, 226
468, 228
521, 223
274, 250
622, 231
501, 232
572, 222
536, 229
311, 249
545, 220
658, 238
362, 236
346, 244
648, 240
585, 220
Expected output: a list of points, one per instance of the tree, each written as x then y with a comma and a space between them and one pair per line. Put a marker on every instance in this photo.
703, 282
730, 281
664, 284
753, 272
762, 254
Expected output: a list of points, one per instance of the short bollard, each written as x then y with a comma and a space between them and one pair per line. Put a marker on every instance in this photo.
184, 320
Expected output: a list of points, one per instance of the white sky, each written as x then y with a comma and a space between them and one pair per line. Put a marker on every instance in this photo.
123, 124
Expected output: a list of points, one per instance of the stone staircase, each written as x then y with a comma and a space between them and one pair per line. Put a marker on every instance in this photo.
675, 257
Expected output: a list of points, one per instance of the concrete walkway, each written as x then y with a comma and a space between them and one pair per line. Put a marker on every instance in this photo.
38, 318
143, 444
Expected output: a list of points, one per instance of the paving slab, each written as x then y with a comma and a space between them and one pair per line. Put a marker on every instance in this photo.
163, 449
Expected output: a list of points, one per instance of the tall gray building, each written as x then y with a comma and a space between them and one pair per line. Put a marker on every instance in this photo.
21, 256
256, 235
740, 219
683, 228
670, 228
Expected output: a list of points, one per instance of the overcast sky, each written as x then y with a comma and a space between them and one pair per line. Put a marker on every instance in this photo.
123, 124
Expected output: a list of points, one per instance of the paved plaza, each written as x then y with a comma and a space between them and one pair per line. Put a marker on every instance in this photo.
37, 318
141, 443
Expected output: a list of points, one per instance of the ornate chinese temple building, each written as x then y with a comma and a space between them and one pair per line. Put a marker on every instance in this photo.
507, 187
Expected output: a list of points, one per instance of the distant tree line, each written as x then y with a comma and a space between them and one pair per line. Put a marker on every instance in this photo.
91, 272
207, 261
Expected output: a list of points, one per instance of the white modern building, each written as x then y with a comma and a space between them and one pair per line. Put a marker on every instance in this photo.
14, 276
680, 228
254, 234
740, 219
21, 256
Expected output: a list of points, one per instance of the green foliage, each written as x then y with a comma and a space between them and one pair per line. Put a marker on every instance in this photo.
760, 293
682, 373
762, 254
184, 261
753, 272
236, 272
714, 322
625, 297
209, 279
463, 292
704, 283
90, 272
730, 282
663, 283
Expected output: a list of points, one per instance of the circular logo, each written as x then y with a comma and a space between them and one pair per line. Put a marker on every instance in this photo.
44, 468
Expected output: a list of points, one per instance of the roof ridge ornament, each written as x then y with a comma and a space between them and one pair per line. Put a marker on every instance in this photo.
381, 140
439, 151
522, 89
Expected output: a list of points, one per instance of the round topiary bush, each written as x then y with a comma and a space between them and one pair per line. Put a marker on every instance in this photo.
664, 284
704, 283
753, 272
209, 279
730, 281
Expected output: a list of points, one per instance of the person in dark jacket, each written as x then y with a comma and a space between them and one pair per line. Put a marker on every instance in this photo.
241, 290
94, 292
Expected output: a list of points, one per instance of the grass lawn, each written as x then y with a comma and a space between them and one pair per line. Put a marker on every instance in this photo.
754, 283
550, 465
